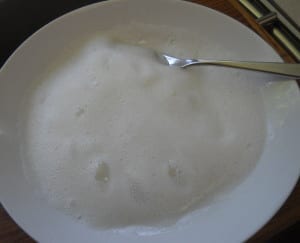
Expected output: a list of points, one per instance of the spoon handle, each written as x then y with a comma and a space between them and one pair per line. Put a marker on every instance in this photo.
285, 69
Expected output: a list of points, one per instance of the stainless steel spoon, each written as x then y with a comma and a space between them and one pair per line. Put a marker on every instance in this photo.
284, 69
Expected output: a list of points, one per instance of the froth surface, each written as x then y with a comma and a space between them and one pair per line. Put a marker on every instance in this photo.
115, 138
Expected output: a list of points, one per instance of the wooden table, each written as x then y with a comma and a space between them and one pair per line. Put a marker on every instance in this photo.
287, 216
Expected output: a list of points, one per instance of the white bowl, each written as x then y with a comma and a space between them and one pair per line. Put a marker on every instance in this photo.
235, 218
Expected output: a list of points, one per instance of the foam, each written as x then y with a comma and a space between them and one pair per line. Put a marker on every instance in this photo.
117, 139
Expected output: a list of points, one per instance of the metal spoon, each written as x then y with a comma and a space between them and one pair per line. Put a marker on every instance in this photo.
284, 69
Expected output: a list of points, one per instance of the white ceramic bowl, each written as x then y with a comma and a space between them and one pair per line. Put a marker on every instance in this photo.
235, 218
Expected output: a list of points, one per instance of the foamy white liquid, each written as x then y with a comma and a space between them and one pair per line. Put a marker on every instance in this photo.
118, 139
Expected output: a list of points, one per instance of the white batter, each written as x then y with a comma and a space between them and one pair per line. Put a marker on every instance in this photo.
117, 139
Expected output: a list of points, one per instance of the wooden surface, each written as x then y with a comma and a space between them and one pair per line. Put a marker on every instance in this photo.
287, 216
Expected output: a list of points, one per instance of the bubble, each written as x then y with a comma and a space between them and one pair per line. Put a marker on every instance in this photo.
175, 173
72, 203
69, 203
249, 145
79, 112
142, 42
95, 83
102, 172
173, 170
